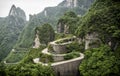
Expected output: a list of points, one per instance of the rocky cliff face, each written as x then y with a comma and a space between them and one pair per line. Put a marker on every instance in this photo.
10, 28
92, 41
16, 11
76, 3
36, 41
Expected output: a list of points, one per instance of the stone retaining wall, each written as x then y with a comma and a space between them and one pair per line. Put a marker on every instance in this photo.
60, 48
67, 68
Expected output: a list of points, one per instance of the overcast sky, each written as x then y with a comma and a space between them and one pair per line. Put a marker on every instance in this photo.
29, 6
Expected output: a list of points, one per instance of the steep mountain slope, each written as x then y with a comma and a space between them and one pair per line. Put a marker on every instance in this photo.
50, 15
103, 18
10, 28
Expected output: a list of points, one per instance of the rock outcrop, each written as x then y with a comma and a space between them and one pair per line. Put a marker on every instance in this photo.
36, 41
16, 11
92, 40
45, 13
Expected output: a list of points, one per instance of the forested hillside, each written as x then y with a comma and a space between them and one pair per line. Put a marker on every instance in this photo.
50, 15
102, 18
10, 28
77, 31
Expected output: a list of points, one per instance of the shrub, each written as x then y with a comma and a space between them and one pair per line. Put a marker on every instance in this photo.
29, 70
46, 33
46, 58
75, 46
71, 55
50, 48
99, 62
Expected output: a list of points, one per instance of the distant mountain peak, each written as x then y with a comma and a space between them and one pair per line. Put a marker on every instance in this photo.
12, 10
13, 6
17, 12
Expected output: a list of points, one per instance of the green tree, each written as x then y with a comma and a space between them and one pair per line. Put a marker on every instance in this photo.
103, 18
99, 62
29, 70
46, 33
70, 19
2, 70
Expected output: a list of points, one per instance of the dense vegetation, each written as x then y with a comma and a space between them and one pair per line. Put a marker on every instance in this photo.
46, 33
26, 67
71, 55
10, 28
103, 18
36, 53
27, 36
26, 70
33, 53
100, 62
53, 14
68, 22
75, 46
16, 56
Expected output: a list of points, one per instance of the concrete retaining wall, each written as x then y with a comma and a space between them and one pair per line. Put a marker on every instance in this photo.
58, 58
60, 48
67, 68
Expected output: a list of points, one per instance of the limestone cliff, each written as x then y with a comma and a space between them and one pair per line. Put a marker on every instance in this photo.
76, 3
36, 41
16, 11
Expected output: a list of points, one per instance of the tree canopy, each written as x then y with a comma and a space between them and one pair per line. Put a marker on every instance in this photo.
46, 33
99, 62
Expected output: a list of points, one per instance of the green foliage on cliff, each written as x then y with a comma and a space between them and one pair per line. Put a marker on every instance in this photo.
100, 62
10, 28
62, 35
26, 67
75, 46
33, 53
45, 58
46, 33
2, 69
14, 57
103, 18
69, 19
27, 36
71, 55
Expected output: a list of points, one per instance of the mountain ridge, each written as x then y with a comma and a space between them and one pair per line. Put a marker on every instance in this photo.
48, 15
10, 28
